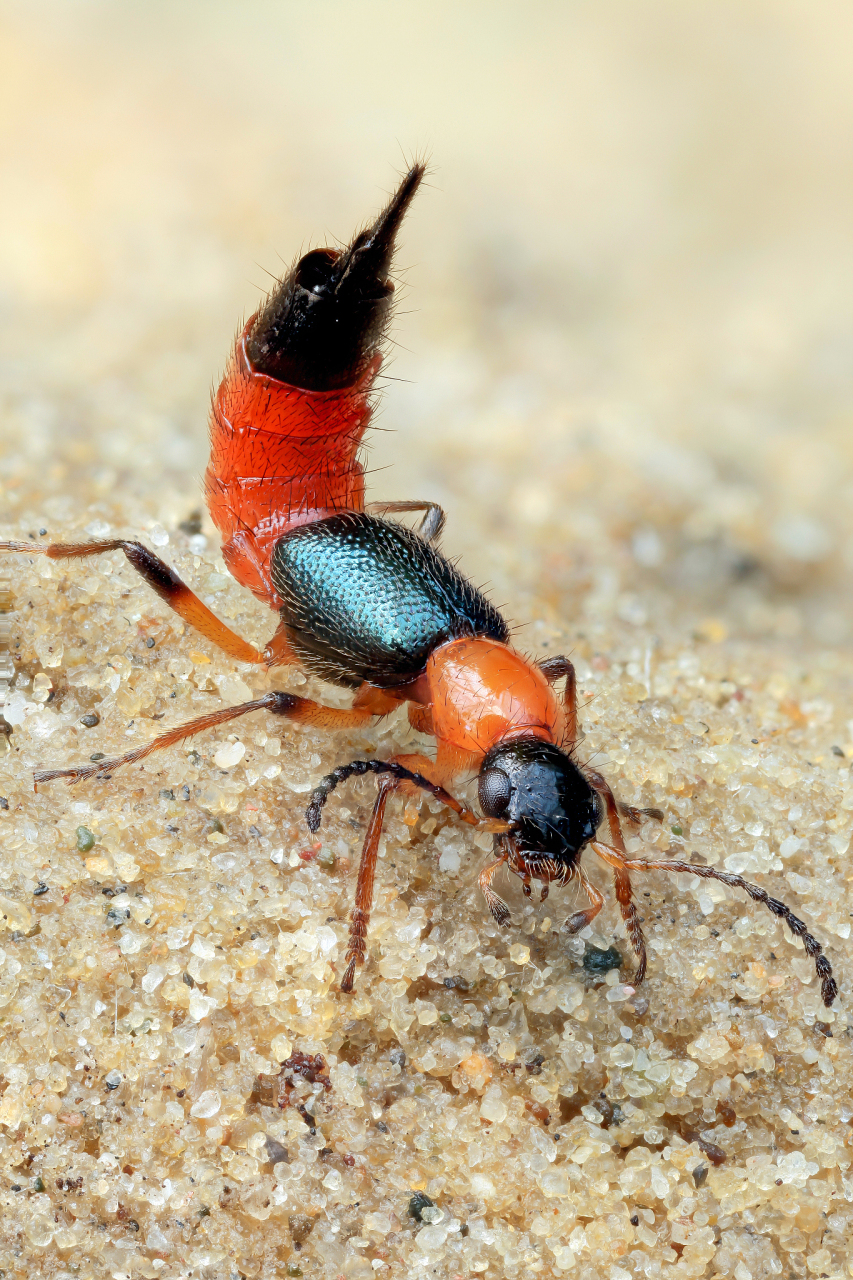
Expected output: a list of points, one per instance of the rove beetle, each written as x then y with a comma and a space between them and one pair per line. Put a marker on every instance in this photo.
366, 603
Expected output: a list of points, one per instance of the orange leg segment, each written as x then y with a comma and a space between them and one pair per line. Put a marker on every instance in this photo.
615, 858
406, 772
581, 919
360, 918
621, 879
500, 911
163, 580
299, 710
601, 787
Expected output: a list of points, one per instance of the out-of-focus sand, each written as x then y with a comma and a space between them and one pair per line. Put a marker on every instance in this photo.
632, 275
625, 368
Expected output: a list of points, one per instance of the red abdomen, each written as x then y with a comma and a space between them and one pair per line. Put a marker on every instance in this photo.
280, 456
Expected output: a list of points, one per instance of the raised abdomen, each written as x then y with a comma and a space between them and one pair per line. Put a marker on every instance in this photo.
280, 456
288, 419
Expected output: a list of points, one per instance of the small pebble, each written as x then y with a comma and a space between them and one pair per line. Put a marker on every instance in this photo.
419, 1201
229, 754
597, 961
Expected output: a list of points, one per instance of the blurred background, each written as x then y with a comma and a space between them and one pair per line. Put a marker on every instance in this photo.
624, 344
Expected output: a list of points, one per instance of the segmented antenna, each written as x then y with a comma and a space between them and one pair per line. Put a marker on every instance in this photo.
356, 768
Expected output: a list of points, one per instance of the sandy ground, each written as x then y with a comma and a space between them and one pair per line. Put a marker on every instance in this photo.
622, 362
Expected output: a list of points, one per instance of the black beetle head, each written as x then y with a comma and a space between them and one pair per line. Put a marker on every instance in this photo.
542, 794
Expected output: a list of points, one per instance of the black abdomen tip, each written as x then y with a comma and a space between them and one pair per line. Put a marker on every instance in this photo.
325, 320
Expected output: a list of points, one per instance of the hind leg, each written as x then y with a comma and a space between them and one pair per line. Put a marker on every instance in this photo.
169, 587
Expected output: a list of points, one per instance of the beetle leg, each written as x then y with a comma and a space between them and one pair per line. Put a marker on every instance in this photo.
163, 580
581, 919
430, 526
395, 774
553, 669
614, 807
420, 718
828, 986
616, 859
635, 816
601, 787
301, 710
497, 906
360, 918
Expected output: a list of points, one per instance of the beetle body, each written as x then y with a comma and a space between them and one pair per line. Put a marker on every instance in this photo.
373, 606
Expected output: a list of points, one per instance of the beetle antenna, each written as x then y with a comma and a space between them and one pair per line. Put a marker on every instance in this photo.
356, 768
828, 985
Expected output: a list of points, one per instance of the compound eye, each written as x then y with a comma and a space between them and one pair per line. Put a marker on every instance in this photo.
494, 792
316, 269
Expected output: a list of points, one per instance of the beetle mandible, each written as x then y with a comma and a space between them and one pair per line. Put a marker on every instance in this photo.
367, 603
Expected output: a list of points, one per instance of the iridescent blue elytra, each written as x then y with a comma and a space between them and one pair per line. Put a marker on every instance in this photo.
368, 600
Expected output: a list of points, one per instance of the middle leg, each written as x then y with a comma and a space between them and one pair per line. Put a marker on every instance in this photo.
299, 710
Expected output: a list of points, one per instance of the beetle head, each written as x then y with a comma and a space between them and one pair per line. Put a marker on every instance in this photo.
550, 807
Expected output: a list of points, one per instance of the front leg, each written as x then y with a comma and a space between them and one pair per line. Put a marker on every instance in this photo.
635, 816
553, 669
616, 860
621, 879
581, 919
404, 772
363, 905
601, 787
615, 807
498, 908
